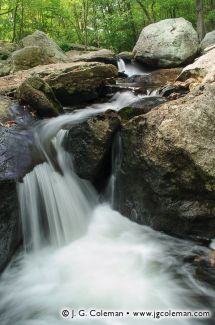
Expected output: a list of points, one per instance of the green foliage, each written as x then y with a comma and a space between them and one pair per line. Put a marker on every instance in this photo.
102, 23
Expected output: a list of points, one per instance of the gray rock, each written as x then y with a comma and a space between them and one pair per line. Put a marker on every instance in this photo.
38, 94
29, 57
103, 56
81, 47
167, 177
208, 40
38, 49
168, 43
6, 48
49, 47
72, 82
5, 67
198, 70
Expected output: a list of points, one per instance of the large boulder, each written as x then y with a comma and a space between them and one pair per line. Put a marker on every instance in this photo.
103, 55
72, 83
81, 47
167, 176
5, 67
79, 82
10, 229
38, 49
49, 47
168, 43
38, 94
198, 70
90, 144
28, 57
6, 48
13, 161
208, 40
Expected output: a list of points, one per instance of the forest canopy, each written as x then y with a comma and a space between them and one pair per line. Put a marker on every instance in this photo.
112, 24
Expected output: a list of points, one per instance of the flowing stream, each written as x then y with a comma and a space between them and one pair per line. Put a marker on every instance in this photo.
82, 255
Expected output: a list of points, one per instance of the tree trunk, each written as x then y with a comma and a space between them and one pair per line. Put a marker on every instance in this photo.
145, 10
21, 20
14, 21
85, 4
131, 20
200, 19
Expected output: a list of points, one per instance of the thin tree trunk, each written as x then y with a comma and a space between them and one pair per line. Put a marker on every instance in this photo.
14, 21
22, 20
145, 10
153, 10
85, 21
200, 19
131, 20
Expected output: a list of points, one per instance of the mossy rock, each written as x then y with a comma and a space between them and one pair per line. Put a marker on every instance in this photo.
39, 95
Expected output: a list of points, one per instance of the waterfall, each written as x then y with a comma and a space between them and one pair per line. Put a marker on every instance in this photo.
133, 68
116, 163
56, 206
121, 65
83, 255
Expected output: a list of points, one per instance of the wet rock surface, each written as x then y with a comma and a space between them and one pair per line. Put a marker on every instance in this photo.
141, 106
90, 145
152, 79
15, 161
167, 176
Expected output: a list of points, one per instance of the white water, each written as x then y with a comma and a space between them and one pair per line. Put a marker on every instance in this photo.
116, 164
130, 69
84, 255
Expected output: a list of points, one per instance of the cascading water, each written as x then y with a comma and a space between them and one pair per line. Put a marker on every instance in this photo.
131, 69
84, 255
121, 65
116, 163
54, 206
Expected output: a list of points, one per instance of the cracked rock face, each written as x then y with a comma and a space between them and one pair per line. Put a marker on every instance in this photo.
167, 178
168, 43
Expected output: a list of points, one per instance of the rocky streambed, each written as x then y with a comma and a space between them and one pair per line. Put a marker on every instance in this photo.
165, 119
